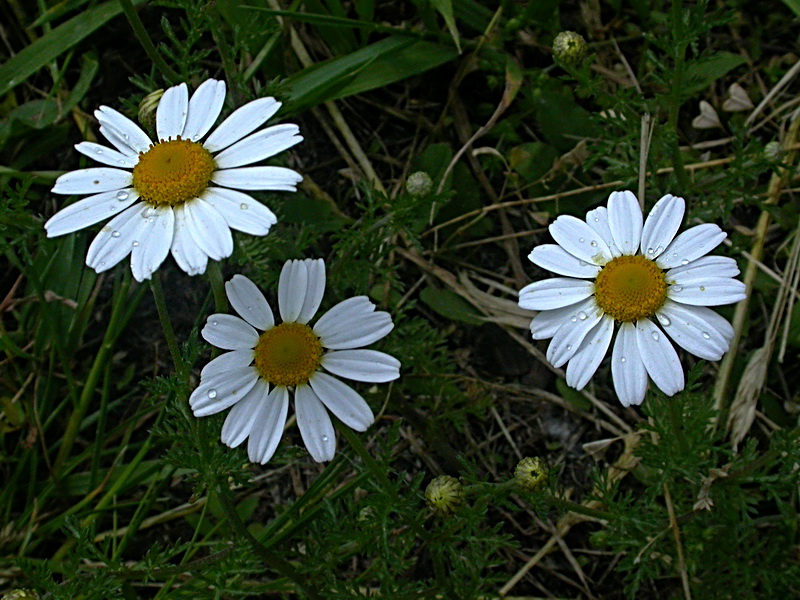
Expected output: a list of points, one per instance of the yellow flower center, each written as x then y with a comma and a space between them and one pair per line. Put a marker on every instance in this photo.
173, 172
630, 288
288, 354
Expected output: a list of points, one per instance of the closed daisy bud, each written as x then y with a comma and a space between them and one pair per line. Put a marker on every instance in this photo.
569, 47
773, 151
419, 184
531, 473
20, 594
147, 108
444, 494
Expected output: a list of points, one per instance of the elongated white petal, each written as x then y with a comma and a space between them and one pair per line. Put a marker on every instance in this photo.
696, 329
267, 429
249, 302
546, 323
106, 155
262, 144
125, 129
362, 365
185, 250
240, 211
92, 181
258, 178
706, 266
556, 292
554, 258
580, 240
208, 229
247, 415
590, 354
89, 211
224, 390
708, 291
627, 368
315, 289
116, 140
172, 111
352, 323
292, 289
229, 332
156, 239
661, 225
597, 219
314, 423
115, 240
625, 221
241, 122
691, 245
204, 108
569, 336
236, 359
659, 357
343, 401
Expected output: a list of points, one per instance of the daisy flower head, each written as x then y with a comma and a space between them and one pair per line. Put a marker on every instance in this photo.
178, 194
270, 362
639, 279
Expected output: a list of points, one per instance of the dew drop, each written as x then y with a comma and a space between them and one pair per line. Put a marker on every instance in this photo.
659, 248
655, 336
623, 359
148, 212
106, 229
122, 195
214, 323
582, 316
702, 288
102, 263
581, 240
324, 438
582, 263
674, 255
244, 206
651, 251
96, 182
706, 336
212, 394
135, 244
593, 244
685, 261
115, 234
677, 288
569, 347
664, 320
126, 136
98, 151
574, 319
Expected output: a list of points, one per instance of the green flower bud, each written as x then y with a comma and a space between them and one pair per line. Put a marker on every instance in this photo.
531, 473
444, 494
773, 151
147, 108
569, 47
419, 184
20, 594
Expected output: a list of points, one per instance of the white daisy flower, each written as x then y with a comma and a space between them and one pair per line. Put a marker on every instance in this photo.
642, 277
264, 369
178, 194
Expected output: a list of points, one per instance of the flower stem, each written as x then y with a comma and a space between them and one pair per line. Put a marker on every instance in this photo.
217, 286
373, 466
675, 96
166, 325
144, 39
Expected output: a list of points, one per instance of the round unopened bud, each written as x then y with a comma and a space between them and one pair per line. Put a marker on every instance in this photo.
20, 594
419, 184
147, 108
773, 151
444, 494
531, 473
569, 47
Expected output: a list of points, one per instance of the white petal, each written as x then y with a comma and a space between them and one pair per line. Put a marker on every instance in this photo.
237, 359
315, 289
240, 211
89, 211
115, 240
661, 225
569, 336
292, 289
625, 221
220, 392
556, 292
659, 357
352, 323
208, 229
708, 291
696, 329
691, 245
267, 431
592, 350
246, 414
343, 401
150, 250
597, 219
125, 129
627, 368
258, 178
204, 108
706, 266
185, 250
241, 122
249, 302
106, 155
92, 181
229, 332
314, 423
263, 144
171, 113
362, 365
119, 143
546, 323
580, 240
554, 258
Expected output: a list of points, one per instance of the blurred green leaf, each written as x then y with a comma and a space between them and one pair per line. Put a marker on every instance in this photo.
794, 6
703, 72
445, 8
450, 305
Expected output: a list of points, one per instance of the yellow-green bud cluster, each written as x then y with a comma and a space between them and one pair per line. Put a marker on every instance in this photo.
531, 473
147, 108
444, 494
569, 47
419, 184
20, 594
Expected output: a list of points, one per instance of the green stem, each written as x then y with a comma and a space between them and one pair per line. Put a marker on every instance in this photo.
372, 465
676, 421
144, 39
675, 96
217, 286
166, 325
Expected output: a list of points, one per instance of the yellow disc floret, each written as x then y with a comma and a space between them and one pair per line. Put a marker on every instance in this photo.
288, 354
630, 288
172, 172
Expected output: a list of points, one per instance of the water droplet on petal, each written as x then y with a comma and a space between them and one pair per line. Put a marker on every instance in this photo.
622, 359
651, 251
674, 255
655, 336
135, 243
122, 195
582, 316
593, 244
685, 261
569, 347
214, 323
581, 240
597, 219
148, 212
677, 288
582, 263
664, 320
574, 319
98, 151
325, 438
659, 248
706, 336
105, 229
102, 263
244, 206
212, 394
702, 288
115, 234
